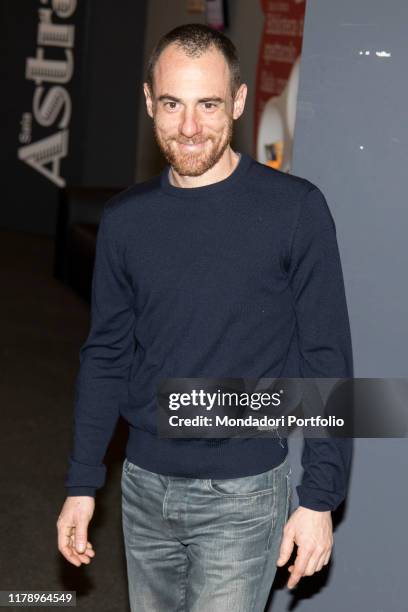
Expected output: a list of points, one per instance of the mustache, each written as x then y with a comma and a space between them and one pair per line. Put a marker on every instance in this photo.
190, 141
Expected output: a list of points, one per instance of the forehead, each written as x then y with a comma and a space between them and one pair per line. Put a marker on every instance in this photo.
179, 74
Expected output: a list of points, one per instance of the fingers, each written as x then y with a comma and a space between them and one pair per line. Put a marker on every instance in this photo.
322, 561
327, 557
80, 538
286, 547
312, 532
298, 569
314, 564
315, 561
87, 555
67, 546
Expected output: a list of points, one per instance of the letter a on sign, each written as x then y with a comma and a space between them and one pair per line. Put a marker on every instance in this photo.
47, 151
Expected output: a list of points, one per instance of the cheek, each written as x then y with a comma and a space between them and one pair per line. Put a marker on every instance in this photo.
166, 123
213, 129
218, 124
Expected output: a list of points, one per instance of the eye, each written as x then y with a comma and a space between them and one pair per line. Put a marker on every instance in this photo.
209, 105
170, 105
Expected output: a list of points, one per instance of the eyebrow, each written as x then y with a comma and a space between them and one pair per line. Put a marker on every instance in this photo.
174, 99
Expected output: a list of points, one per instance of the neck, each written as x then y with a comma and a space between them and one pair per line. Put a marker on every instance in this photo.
220, 171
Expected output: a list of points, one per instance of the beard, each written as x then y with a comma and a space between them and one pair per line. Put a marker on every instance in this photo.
193, 163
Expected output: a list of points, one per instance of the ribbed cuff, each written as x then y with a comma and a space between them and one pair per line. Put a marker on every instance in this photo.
84, 476
81, 491
317, 499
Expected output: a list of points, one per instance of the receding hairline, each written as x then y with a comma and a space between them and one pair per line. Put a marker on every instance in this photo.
194, 40
193, 55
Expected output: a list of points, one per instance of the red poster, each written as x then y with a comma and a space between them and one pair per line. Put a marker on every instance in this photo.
277, 80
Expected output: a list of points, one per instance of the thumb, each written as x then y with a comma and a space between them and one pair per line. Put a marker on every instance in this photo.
286, 549
81, 538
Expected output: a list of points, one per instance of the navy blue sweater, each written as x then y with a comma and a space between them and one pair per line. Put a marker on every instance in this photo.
239, 278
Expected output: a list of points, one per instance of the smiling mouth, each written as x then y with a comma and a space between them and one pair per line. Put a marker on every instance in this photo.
191, 146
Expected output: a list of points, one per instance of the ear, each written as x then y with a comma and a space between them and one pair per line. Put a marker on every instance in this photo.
239, 101
149, 99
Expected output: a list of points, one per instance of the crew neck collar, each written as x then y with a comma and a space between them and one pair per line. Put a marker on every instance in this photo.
206, 190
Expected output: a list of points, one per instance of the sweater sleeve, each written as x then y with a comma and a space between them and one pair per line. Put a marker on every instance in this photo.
324, 342
105, 359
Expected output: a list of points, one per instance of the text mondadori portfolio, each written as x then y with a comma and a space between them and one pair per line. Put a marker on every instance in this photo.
253, 421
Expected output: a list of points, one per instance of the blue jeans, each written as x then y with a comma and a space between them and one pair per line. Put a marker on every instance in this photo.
202, 545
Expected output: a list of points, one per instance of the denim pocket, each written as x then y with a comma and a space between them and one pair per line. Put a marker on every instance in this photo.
129, 467
125, 466
246, 486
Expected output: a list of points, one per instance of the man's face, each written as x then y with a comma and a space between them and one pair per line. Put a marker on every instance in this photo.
192, 108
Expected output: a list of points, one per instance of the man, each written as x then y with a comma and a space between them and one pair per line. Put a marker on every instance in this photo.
218, 267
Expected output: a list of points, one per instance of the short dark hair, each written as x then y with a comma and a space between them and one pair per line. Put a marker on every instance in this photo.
194, 39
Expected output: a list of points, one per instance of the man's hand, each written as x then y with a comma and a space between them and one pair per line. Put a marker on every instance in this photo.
72, 526
312, 531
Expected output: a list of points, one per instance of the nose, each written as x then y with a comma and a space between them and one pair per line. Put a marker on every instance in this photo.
189, 125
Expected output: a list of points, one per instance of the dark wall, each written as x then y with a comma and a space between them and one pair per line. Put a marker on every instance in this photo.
83, 68
114, 57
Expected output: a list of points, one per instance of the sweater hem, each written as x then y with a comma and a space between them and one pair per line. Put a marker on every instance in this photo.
204, 457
